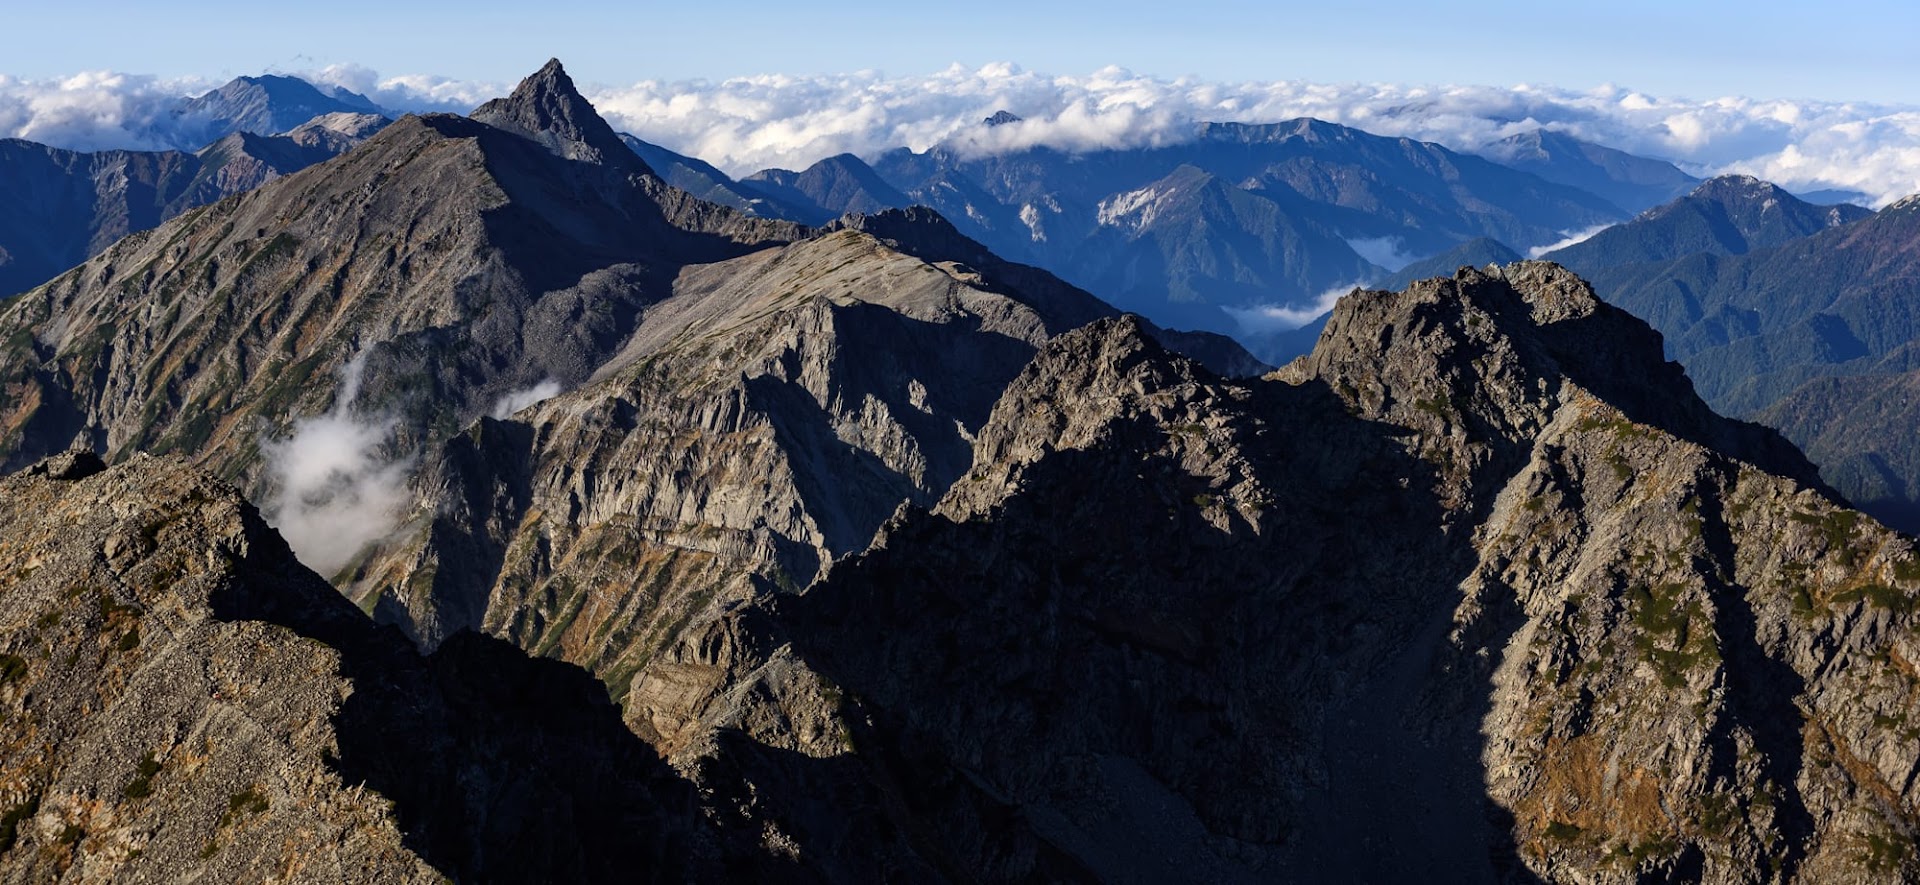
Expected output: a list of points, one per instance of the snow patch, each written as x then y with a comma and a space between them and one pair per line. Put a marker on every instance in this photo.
1030, 216
1133, 210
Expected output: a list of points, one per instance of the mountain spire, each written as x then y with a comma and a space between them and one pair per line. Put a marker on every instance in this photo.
546, 108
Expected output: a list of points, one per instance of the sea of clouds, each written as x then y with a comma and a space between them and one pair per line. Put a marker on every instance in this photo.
749, 123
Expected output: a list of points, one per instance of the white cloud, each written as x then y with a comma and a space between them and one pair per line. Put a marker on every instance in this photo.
96, 110
1386, 252
1262, 318
748, 123
416, 93
1571, 237
516, 400
335, 491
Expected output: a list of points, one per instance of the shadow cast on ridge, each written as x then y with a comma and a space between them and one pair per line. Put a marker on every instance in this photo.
1095, 681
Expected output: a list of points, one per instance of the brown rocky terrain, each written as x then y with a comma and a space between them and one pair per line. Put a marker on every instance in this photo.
1478, 587
184, 699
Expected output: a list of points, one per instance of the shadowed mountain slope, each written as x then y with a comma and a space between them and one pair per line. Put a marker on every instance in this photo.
1514, 593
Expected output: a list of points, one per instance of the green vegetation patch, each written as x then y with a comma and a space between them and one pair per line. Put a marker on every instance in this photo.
142, 784
1716, 813
1837, 528
1563, 831
244, 804
1879, 596
13, 668
1660, 614
112, 610
1907, 571
1887, 853
1443, 408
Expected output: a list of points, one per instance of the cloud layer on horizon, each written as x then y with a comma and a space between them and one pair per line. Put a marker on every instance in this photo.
748, 123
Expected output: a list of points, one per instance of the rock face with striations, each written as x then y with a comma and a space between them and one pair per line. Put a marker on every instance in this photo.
760, 423
1478, 586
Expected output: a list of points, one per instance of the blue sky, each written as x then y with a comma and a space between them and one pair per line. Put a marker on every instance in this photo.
1835, 50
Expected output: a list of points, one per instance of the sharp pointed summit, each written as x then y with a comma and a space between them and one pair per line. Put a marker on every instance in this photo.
547, 108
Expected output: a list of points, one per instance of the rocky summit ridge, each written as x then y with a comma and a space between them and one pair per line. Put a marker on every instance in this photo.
547, 108
1477, 586
856, 553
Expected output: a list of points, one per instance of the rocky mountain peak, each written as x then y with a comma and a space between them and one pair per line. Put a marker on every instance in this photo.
547, 108
1746, 188
1495, 353
1002, 118
1530, 144
268, 104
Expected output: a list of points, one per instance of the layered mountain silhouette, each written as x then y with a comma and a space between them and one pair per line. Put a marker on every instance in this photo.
265, 105
1631, 182
1350, 204
1730, 215
734, 548
437, 229
1236, 217
456, 264
701, 179
59, 208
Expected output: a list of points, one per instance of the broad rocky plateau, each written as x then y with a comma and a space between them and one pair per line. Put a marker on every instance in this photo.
731, 548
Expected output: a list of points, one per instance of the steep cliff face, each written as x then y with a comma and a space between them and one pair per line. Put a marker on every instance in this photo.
1478, 586
182, 698
762, 421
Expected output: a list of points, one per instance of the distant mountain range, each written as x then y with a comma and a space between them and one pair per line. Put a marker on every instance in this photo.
1200, 234
1628, 181
58, 208
1206, 232
1237, 216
